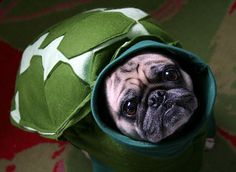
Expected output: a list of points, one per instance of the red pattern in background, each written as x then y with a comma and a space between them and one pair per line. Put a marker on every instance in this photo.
231, 138
10, 168
232, 8
59, 166
60, 151
49, 10
168, 9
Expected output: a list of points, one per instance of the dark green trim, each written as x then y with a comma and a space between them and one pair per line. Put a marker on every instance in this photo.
162, 149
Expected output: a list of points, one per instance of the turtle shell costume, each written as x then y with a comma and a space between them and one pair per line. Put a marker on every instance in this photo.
59, 94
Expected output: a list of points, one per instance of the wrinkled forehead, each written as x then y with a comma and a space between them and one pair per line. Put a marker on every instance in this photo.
149, 58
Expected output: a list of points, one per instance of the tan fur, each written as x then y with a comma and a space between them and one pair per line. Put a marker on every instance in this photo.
136, 78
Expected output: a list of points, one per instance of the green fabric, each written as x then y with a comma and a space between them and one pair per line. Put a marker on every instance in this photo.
62, 83
32, 100
63, 27
112, 155
99, 61
50, 107
61, 101
153, 28
106, 26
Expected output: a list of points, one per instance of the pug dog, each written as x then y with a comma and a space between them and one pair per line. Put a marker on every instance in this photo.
150, 97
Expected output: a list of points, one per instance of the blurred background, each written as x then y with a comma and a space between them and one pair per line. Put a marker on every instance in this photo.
205, 27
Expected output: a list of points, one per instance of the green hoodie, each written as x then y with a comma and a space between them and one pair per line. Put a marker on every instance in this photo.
58, 90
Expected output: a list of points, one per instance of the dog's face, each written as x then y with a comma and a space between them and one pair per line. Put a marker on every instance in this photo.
150, 97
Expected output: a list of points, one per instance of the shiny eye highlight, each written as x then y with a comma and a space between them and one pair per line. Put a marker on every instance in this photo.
171, 74
130, 108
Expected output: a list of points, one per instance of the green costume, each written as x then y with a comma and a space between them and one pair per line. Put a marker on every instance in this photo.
58, 90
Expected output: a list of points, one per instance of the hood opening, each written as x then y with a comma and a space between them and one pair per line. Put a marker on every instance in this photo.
204, 89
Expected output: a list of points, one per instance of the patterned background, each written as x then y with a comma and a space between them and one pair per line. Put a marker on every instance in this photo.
205, 27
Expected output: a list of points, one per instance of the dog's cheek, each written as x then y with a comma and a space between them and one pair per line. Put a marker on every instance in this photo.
175, 118
194, 103
127, 127
152, 128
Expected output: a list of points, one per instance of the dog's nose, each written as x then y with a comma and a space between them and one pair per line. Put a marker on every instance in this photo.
156, 98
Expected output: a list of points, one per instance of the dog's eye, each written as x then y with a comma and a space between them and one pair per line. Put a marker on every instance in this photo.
130, 108
171, 74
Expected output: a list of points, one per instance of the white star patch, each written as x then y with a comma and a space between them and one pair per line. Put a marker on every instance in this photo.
29, 52
51, 56
15, 114
133, 13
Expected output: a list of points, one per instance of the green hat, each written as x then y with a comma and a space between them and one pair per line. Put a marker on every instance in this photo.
204, 88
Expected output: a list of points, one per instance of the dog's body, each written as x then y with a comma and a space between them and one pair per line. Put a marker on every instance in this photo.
149, 97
